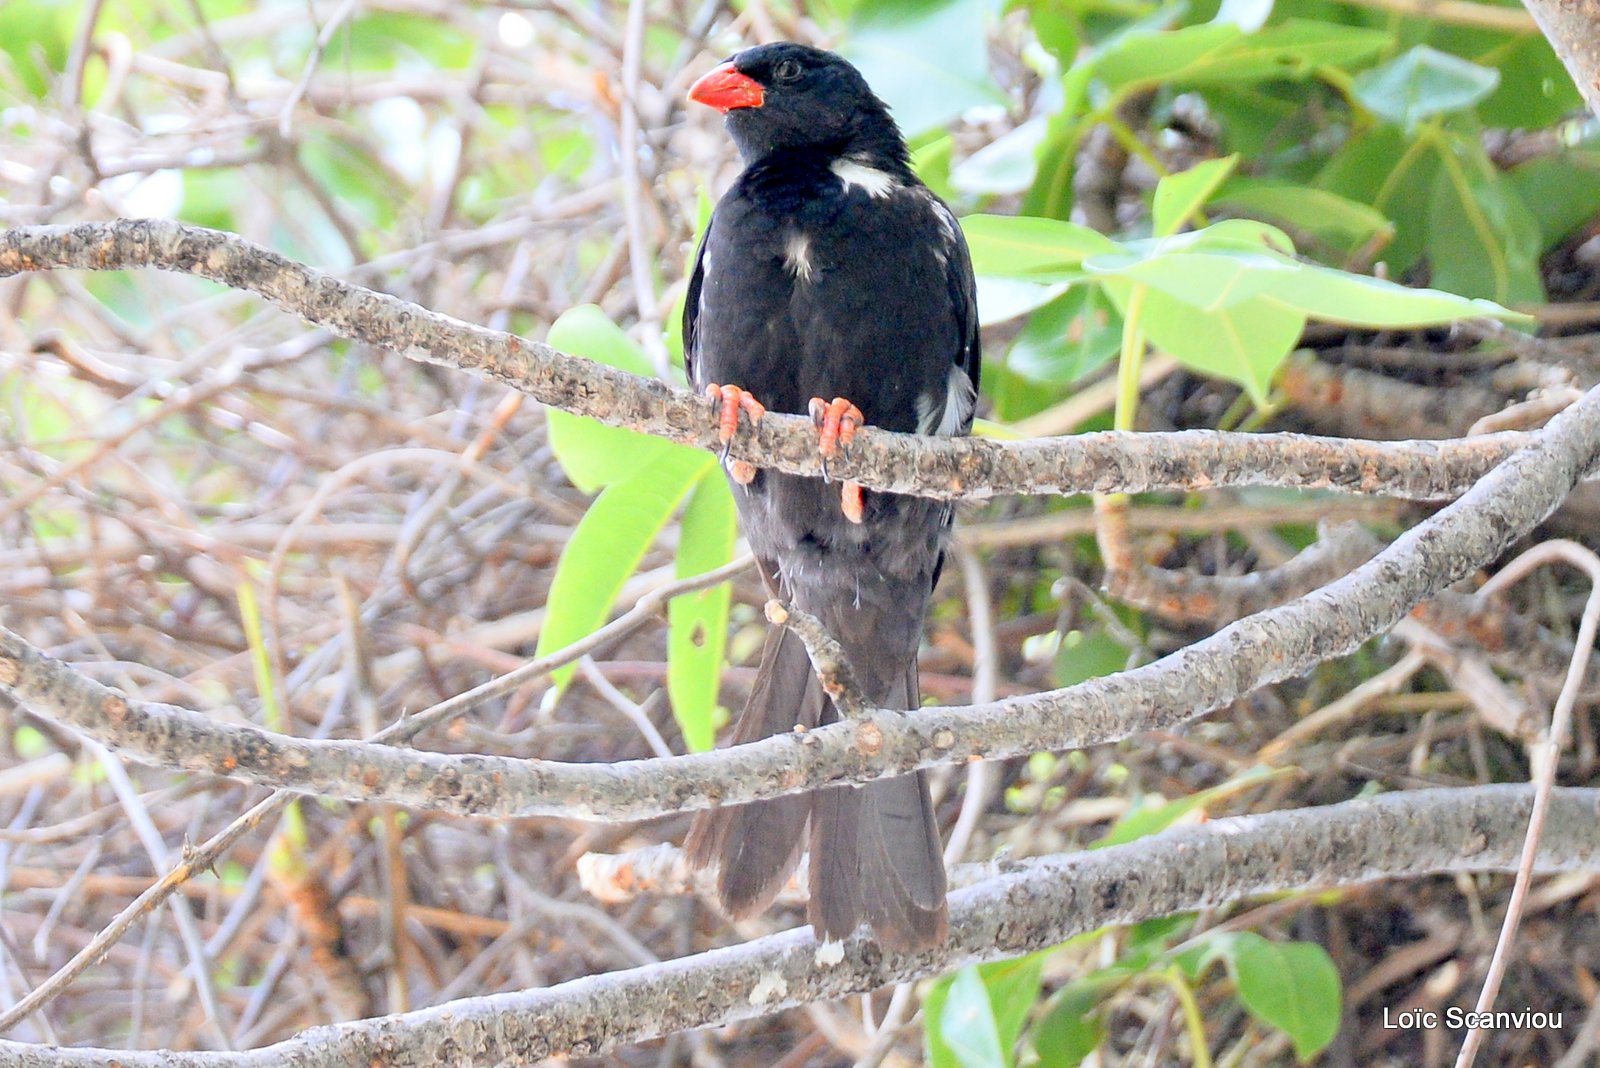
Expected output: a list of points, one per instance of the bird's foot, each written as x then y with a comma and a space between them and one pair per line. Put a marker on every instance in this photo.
836, 422
730, 401
852, 502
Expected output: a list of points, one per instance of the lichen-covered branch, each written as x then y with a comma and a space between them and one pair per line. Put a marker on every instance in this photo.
902, 463
1027, 905
1261, 649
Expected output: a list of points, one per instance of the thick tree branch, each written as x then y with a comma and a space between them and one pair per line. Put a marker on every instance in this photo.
1258, 650
1030, 905
902, 463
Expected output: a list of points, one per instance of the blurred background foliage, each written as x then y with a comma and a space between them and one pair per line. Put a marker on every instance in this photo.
169, 448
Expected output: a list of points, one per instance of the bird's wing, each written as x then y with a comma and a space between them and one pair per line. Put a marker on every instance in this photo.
964, 299
691, 308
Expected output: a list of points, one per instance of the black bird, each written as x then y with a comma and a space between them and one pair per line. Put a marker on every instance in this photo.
831, 281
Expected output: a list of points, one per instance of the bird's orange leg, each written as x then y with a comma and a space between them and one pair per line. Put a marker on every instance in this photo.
730, 401
837, 423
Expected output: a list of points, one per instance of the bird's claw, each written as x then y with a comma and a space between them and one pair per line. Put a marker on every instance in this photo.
730, 401
837, 422
851, 501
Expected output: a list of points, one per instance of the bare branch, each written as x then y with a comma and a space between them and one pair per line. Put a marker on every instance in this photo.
967, 468
1029, 905
1268, 647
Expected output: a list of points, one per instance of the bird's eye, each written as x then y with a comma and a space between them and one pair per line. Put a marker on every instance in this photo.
786, 71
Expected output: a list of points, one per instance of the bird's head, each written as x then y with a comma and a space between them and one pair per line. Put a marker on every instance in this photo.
792, 96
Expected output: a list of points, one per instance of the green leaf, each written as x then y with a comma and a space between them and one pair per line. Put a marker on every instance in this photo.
1151, 817
1179, 197
1340, 221
697, 634
1208, 281
1223, 54
1357, 300
1567, 189
1072, 336
1013, 987
35, 36
928, 60
1395, 174
1040, 250
1482, 240
1292, 986
1001, 300
975, 1016
592, 454
1421, 83
1087, 655
1071, 1028
961, 1028
608, 544
1244, 343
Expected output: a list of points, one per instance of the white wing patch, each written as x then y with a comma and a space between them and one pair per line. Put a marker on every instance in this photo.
951, 417
797, 255
876, 183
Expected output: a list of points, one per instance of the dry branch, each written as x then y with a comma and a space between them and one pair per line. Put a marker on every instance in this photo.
902, 463
1030, 905
1268, 647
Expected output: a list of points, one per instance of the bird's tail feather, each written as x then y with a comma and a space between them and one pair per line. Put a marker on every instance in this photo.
875, 856
875, 852
756, 847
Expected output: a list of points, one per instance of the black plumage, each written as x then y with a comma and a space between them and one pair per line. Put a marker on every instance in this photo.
830, 271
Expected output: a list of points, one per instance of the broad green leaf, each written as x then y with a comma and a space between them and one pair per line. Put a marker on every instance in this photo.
1482, 240
1072, 1028
1013, 987
929, 60
1165, 56
697, 635
1041, 250
1421, 83
1056, 30
608, 544
1244, 343
1209, 281
1179, 197
1535, 89
1357, 300
1292, 986
1566, 187
35, 36
1395, 174
1087, 655
1223, 54
1001, 300
594, 455
1340, 221
961, 1028
1077, 333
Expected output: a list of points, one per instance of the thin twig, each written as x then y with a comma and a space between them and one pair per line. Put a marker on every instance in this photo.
1544, 754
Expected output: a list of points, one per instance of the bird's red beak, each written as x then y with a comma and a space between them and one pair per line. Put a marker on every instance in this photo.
724, 88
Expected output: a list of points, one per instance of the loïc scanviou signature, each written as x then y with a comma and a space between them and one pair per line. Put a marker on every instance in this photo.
1457, 1017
